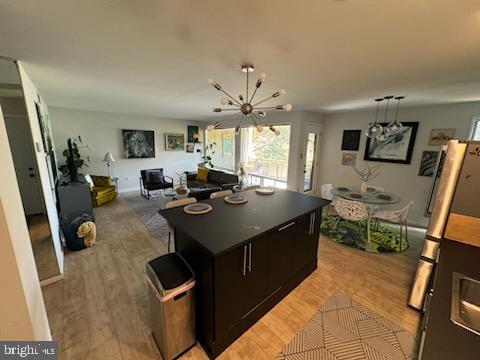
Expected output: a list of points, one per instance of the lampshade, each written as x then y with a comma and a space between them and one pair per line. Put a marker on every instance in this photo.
109, 157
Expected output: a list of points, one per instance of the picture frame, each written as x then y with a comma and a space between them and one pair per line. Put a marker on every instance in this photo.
138, 144
349, 159
190, 147
351, 140
439, 137
397, 149
428, 163
174, 142
192, 133
45, 130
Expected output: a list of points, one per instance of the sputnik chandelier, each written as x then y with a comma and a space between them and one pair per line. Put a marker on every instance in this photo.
382, 133
245, 107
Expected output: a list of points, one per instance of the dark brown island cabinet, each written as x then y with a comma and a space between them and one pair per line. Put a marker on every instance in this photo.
246, 258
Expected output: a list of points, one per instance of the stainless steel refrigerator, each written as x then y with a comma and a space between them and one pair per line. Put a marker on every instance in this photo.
447, 282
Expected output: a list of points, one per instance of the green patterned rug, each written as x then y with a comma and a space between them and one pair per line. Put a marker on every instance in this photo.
383, 238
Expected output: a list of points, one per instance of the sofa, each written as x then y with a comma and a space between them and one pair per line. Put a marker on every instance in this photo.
154, 179
216, 181
101, 189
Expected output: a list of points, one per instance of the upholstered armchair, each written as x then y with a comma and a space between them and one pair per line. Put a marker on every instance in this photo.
102, 189
154, 179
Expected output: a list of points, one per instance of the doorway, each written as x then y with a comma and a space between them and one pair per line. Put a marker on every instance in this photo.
311, 141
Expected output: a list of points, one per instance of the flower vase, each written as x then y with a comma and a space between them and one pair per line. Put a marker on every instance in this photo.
364, 187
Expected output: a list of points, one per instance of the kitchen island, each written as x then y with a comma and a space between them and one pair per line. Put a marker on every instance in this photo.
246, 258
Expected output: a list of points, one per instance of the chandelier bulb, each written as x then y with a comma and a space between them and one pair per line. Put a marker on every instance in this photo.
280, 92
262, 113
216, 110
210, 127
240, 97
259, 128
287, 107
226, 101
263, 76
237, 130
214, 84
274, 130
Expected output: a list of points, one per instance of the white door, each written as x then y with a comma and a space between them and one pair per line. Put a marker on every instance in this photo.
309, 156
21, 145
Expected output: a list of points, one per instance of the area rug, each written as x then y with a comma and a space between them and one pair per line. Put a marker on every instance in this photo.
383, 238
147, 211
345, 329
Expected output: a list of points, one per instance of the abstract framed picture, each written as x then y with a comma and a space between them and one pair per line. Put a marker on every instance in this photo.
190, 147
192, 133
174, 142
398, 148
351, 140
349, 159
440, 137
138, 144
428, 163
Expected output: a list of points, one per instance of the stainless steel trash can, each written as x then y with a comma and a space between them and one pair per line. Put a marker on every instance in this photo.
171, 285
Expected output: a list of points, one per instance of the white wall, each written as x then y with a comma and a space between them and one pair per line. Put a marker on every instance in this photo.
22, 313
102, 132
400, 179
297, 120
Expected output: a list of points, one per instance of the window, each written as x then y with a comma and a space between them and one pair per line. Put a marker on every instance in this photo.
224, 148
475, 131
265, 155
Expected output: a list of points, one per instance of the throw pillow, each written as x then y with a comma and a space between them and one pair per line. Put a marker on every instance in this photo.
155, 176
202, 174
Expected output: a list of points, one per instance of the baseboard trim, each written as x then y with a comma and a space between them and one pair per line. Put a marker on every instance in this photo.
120, 191
51, 280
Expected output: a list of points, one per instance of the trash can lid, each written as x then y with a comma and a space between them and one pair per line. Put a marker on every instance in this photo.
171, 270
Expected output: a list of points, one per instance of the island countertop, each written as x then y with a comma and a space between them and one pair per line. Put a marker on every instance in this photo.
229, 226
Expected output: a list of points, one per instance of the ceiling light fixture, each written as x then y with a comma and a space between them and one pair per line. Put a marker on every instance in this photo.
245, 106
382, 133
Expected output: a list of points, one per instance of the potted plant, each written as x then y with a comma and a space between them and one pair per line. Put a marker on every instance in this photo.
207, 155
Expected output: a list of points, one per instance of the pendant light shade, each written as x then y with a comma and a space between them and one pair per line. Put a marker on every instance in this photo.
396, 126
375, 129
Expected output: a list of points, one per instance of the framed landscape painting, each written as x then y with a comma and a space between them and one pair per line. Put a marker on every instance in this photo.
428, 163
440, 136
174, 142
138, 144
397, 148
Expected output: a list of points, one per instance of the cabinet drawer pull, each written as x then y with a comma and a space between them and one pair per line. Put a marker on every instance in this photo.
244, 268
250, 257
311, 229
286, 226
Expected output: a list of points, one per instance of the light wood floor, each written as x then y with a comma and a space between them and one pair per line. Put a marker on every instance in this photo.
100, 309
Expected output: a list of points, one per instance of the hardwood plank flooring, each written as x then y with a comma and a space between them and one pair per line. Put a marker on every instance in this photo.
100, 310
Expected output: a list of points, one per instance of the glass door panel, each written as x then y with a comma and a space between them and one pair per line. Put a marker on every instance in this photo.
309, 162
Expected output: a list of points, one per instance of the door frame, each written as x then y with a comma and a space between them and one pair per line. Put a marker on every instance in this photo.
309, 128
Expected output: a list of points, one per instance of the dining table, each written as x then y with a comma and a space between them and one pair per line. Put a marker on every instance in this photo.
373, 198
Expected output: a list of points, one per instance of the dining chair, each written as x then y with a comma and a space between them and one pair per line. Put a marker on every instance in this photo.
173, 204
398, 217
222, 193
351, 211
326, 191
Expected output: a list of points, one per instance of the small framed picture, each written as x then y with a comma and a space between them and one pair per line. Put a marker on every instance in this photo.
349, 159
351, 140
428, 163
190, 147
440, 137
174, 142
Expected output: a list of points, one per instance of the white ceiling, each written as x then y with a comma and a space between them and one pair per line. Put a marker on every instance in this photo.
155, 57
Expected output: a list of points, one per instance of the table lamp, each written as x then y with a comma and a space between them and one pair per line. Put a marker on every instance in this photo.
109, 159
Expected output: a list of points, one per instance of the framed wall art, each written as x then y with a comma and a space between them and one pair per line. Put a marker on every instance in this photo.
174, 142
351, 140
138, 144
398, 148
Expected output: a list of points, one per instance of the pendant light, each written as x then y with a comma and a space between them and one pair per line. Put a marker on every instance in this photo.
375, 129
396, 126
386, 130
